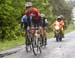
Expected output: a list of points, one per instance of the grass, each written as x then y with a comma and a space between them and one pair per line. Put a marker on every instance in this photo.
70, 28
20, 41
9, 44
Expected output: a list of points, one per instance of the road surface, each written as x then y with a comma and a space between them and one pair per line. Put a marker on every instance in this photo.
64, 49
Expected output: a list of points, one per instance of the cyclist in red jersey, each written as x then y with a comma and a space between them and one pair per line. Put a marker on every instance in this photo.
33, 13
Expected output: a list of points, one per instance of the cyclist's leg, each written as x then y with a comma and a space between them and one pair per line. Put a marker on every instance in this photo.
27, 28
62, 30
54, 31
40, 24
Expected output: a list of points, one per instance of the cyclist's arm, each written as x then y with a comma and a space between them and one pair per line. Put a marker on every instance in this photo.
22, 22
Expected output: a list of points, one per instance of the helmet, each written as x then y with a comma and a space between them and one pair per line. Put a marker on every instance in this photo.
42, 15
28, 4
62, 17
58, 18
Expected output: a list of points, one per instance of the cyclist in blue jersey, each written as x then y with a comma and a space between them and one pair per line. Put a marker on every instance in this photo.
25, 22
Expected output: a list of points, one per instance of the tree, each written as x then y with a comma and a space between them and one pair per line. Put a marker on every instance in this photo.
10, 10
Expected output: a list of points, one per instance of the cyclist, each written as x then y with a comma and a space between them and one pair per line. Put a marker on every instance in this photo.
45, 26
59, 22
44, 21
33, 13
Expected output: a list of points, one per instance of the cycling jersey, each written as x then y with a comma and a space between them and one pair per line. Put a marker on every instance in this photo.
33, 12
24, 18
60, 24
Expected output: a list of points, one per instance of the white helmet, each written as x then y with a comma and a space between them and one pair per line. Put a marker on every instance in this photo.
42, 15
28, 4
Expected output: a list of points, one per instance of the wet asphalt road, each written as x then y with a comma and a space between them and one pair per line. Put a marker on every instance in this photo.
64, 49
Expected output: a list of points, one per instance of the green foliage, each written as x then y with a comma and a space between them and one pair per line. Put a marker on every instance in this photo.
11, 10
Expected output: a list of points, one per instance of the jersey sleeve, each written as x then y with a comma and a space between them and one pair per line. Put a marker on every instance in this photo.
22, 19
